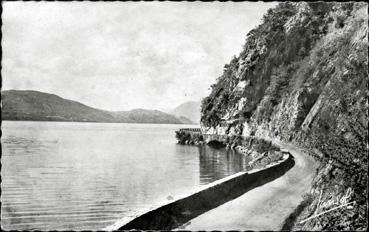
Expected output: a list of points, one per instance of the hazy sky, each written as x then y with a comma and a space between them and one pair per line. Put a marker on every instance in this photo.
123, 55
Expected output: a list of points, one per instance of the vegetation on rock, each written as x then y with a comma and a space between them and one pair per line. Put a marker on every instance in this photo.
185, 137
302, 77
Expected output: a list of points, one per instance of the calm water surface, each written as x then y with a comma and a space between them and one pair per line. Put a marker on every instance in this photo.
86, 176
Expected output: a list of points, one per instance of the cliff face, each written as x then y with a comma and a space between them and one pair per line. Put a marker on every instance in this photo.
302, 77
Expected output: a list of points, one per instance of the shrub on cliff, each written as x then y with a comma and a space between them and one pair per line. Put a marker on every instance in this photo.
305, 77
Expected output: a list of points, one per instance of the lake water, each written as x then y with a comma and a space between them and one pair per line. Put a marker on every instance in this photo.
86, 176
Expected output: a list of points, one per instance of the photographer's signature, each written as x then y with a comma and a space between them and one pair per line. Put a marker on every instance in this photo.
332, 204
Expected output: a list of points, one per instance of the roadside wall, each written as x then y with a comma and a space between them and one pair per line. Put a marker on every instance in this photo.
180, 211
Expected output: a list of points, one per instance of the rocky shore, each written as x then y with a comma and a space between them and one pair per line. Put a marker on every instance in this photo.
187, 137
261, 152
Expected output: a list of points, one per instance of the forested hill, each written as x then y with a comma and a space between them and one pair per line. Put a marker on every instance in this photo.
302, 77
39, 106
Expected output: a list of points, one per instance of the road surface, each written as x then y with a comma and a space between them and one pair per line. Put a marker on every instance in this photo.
265, 207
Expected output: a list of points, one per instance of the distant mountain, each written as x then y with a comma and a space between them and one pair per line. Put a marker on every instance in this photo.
39, 106
148, 116
190, 110
185, 120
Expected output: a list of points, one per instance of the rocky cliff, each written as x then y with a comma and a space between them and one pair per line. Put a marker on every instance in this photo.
302, 77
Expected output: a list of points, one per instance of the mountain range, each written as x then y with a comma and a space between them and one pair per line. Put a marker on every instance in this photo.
39, 106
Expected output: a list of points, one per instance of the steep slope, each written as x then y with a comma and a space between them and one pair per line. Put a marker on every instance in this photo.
34, 105
190, 110
302, 77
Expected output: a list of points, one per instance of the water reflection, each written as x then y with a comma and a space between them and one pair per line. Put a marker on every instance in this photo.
219, 163
86, 176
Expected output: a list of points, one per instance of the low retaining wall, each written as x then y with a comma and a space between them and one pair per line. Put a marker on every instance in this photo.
180, 211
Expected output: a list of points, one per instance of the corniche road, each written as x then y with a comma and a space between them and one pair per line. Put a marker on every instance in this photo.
265, 207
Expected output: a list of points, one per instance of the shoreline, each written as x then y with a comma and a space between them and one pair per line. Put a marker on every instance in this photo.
7, 120
182, 209
266, 207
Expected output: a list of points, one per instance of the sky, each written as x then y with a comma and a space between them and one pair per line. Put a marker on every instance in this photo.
123, 55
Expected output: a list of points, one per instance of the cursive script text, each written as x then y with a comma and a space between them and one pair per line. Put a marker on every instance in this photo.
332, 204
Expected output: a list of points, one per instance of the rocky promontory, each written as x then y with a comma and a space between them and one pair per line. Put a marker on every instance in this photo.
302, 78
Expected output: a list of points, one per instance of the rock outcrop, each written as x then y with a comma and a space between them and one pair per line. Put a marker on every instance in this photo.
302, 77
